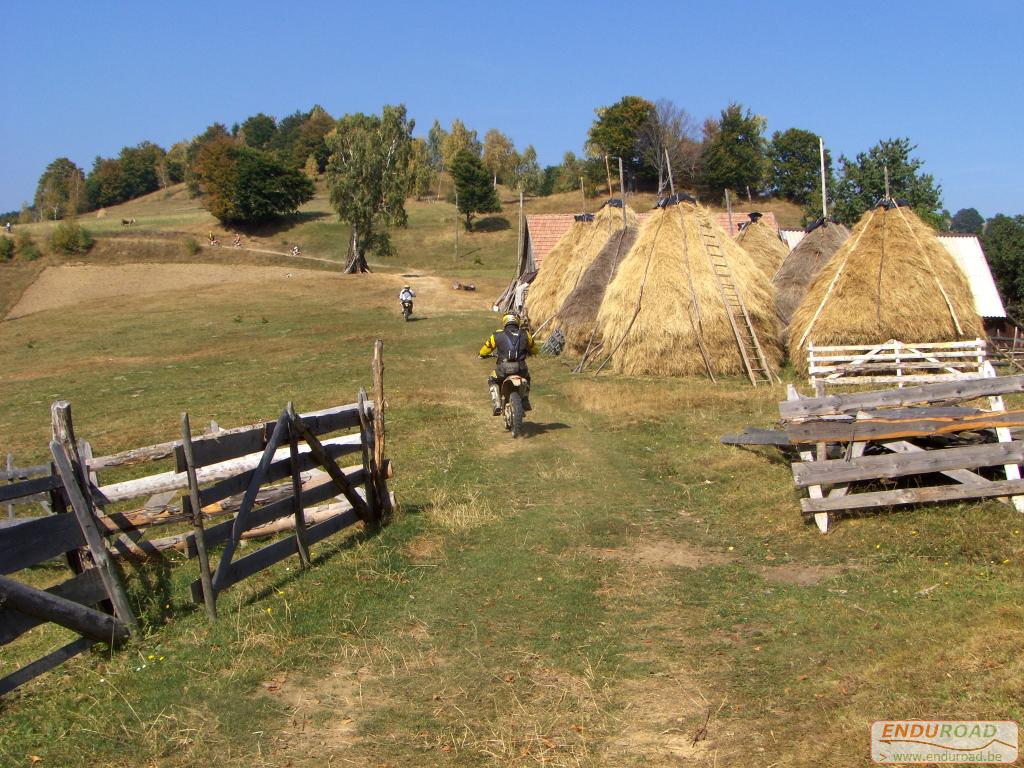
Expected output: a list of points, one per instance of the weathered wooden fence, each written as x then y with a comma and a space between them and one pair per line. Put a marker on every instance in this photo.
894, 362
257, 481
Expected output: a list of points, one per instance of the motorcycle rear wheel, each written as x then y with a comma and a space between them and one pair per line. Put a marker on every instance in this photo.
515, 402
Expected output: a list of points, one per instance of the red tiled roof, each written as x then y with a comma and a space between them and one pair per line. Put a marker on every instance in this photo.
546, 229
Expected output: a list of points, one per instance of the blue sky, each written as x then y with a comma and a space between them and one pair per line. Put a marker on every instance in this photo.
85, 79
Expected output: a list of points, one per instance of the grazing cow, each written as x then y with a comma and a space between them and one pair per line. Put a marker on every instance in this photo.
128, 223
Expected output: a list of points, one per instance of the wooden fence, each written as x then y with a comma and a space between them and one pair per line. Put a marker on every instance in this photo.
258, 481
894, 362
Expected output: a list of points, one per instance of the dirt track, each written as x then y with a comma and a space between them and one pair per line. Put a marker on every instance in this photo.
66, 286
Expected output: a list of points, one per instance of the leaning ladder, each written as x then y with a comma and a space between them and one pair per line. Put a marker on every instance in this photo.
746, 338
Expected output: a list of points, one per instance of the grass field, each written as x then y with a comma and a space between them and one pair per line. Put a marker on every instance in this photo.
596, 594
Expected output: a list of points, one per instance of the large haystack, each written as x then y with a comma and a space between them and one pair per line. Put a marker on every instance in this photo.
568, 260
577, 318
665, 301
803, 263
891, 280
764, 245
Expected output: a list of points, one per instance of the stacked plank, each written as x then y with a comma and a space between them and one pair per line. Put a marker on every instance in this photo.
912, 445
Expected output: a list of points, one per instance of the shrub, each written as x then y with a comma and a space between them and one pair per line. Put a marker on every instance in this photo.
6, 248
192, 246
70, 238
25, 246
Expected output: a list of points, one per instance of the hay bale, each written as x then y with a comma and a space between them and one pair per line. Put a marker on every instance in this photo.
764, 245
577, 317
668, 274
568, 260
886, 282
797, 272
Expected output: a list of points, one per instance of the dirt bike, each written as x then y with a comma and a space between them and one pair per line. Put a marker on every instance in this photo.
407, 309
514, 391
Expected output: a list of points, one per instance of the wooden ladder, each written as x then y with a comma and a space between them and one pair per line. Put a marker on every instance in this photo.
746, 338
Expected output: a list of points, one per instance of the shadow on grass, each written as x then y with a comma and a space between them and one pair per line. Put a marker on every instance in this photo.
279, 225
533, 428
491, 224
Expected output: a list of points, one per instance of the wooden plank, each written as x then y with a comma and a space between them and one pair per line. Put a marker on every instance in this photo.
85, 588
234, 443
267, 556
891, 465
280, 469
960, 475
98, 550
914, 496
37, 541
167, 481
945, 392
848, 430
28, 487
48, 606
45, 664
133, 456
754, 436
336, 473
856, 368
220, 533
932, 378
973, 344
922, 412
12, 474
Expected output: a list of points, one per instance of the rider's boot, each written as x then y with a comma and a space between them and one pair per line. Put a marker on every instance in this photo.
495, 400
526, 399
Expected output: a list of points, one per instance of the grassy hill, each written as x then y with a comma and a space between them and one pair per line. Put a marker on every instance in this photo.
617, 589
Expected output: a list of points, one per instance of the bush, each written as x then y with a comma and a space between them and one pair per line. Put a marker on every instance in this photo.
192, 246
6, 248
26, 247
70, 238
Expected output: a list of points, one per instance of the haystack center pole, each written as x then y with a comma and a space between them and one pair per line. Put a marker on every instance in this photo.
519, 247
608, 173
583, 194
886, 169
456, 224
622, 186
728, 207
668, 163
824, 191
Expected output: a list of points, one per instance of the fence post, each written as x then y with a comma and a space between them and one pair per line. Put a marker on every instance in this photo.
379, 404
10, 479
209, 598
369, 467
297, 506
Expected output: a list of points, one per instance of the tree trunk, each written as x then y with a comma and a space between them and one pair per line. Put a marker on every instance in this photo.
469, 222
357, 261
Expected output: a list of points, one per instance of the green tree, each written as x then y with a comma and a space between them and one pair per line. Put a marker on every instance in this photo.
257, 131
668, 131
61, 189
861, 182
459, 138
368, 177
245, 185
616, 131
473, 187
734, 154
1003, 241
174, 163
499, 156
527, 174
105, 183
569, 173
140, 168
214, 134
795, 165
967, 220
435, 144
421, 170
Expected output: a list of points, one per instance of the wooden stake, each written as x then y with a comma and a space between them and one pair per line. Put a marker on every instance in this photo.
519, 245
824, 191
668, 162
10, 475
379, 404
622, 186
297, 509
209, 598
456, 224
728, 207
583, 194
608, 174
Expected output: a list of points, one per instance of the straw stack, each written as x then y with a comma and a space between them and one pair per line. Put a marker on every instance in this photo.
803, 263
764, 245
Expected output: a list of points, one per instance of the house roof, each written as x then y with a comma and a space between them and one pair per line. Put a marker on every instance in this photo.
544, 230
967, 253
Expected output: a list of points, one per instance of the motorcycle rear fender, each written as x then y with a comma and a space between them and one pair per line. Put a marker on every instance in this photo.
514, 382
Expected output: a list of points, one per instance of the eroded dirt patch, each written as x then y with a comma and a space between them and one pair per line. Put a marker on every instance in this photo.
800, 574
660, 554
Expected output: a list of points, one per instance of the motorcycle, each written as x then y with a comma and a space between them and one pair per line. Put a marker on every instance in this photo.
407, 309
514, 391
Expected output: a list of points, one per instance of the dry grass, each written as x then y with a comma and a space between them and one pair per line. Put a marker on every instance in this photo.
764, 246
665, 294
569, 259
797, 272
457, 513
886, 282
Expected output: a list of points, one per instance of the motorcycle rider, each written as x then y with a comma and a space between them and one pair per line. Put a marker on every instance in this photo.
513, 344
406, 294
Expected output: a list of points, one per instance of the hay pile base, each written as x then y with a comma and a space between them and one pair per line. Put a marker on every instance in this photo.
577, 319
886, 282
764, 245
802, 265
668, 274
568, 260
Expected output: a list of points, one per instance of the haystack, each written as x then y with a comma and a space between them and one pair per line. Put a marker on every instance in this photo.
891, 280
568, 260
664, 313
797, 272
577, 318
763, 244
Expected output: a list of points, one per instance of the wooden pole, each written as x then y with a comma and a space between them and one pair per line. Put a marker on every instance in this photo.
824, 189
668, 163
622, 186
456, 224
583, 195
100, 556
209, 598
519, 244
10, 475
297, 508
886, 169
86, 621
379, 404
608, 174
728, 207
